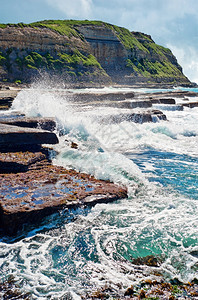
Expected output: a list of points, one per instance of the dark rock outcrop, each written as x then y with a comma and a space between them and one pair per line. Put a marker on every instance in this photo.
6, 102
163, 100
6, 98
190, 104
11, 136
9, 289
101, 97
136, 117
48, 124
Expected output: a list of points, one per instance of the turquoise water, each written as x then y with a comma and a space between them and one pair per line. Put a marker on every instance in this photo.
73, 253
176, 171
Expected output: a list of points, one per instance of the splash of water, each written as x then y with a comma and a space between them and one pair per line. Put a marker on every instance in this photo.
73, 253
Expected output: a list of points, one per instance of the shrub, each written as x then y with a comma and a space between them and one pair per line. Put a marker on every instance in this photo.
38, 59
18, 81
3, 25
2, 60
29, 60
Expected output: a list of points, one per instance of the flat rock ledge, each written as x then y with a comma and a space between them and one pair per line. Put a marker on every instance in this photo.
42, 189
138, 117
48, 124
14, 136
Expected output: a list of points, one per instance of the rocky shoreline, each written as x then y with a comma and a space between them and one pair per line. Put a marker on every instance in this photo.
148, 289
33, 188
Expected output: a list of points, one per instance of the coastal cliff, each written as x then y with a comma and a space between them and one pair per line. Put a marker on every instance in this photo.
85, 52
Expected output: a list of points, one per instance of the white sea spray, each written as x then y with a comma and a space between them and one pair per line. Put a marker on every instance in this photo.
78, 251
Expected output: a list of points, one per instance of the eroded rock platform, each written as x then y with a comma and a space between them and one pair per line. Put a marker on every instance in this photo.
32, 188
42, 189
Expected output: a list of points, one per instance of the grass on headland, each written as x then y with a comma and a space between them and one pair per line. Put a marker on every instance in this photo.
147, 68
152, 60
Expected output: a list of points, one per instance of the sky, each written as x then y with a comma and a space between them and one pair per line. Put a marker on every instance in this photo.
171, 23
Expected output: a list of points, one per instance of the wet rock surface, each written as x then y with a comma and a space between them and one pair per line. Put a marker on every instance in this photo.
191, 104
161, 289
103, 96
32, 188
136, 117
128, 104
149, 260
42, 188
10, 290
14, 135
163, 100
22, 121
19, 161
154, 289
6, 102
6, 97
147, 289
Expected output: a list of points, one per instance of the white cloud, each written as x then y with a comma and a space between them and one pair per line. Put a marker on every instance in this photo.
187, 58
171, 23
73, 9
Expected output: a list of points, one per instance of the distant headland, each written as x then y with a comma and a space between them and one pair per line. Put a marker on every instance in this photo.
85, 53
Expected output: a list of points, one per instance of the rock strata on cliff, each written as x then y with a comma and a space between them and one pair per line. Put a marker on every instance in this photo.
85, 51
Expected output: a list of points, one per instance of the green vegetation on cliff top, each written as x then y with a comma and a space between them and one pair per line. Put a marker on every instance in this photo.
70, 28
153, 61
146, 68
127, 38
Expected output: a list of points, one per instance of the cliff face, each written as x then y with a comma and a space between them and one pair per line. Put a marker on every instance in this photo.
84, 51
105, 46
37, 39
27, 50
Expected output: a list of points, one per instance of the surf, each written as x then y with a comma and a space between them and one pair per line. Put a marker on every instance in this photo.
75, 252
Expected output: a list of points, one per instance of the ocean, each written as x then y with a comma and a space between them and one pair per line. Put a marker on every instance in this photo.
75, 252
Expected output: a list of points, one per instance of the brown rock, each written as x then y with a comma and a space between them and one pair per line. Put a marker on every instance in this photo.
35, 39
106, 42
6, 102
14, 162
129, 291
191, 104
149, 260
36, 122
44, 189
74, 145
163, 101
142, 294
138, 117
10, 290
113, 96
11, 136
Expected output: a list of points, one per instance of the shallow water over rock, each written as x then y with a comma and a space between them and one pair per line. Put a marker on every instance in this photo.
74, 255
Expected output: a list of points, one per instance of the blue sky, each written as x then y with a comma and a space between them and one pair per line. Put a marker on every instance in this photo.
171, 23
